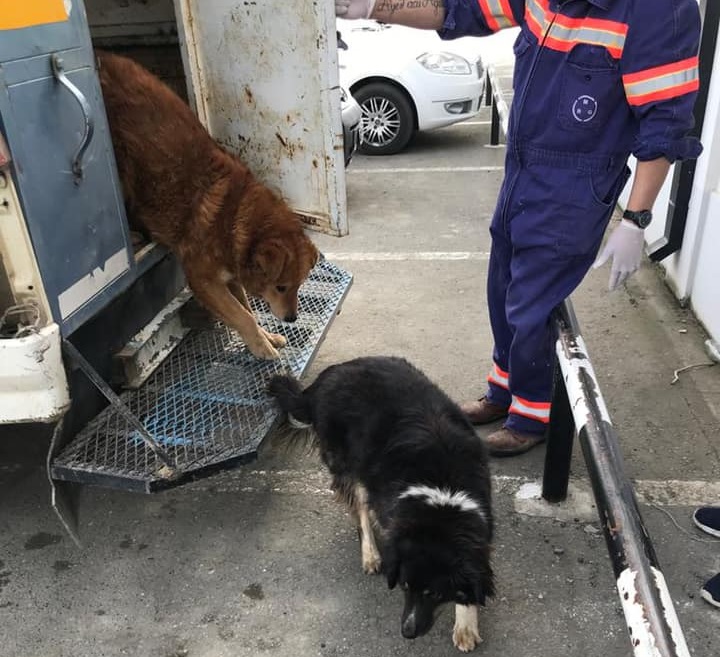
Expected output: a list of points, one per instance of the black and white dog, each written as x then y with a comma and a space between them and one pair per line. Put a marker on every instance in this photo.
408, 464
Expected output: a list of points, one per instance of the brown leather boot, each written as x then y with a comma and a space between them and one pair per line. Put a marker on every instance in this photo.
508, 442
482, 411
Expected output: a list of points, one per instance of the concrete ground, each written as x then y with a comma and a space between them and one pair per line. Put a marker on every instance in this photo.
261, 561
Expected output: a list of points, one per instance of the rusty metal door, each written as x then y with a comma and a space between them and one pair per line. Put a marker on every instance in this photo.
263, 78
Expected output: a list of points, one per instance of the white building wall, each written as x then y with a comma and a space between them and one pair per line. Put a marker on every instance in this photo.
694, 272
705, 297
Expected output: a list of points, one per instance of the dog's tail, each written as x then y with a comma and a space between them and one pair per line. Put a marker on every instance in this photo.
290, 397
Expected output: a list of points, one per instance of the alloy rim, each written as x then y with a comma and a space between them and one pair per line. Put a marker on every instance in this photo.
380, 122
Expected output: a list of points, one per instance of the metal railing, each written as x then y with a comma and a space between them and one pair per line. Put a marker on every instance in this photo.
578, 409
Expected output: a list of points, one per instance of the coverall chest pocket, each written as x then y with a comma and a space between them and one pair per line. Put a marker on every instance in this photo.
591, 87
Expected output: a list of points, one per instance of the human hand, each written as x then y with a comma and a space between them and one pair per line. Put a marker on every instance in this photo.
352, 9
625, 245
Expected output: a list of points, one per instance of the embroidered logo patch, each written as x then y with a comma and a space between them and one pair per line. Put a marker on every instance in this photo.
584, 109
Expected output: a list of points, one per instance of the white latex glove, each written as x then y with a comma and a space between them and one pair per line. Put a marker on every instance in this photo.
351, 9
625, 245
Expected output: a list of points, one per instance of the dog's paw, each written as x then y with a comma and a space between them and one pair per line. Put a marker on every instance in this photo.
371, 563
262, 348
465, 637
275, 339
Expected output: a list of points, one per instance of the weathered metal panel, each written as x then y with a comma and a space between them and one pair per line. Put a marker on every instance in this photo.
264, 80
51, 115
33, 387
77, 227
148, 348
22, 281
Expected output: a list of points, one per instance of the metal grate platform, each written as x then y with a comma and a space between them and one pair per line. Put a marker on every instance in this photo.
206, 405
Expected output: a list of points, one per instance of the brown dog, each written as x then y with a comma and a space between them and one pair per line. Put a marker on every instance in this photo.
230, 232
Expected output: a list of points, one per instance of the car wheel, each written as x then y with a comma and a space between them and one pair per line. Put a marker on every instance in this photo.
388, 120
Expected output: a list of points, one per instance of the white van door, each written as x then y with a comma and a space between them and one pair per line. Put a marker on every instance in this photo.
264, 81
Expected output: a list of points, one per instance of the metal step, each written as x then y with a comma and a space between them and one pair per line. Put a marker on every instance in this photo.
149, 347
206, 405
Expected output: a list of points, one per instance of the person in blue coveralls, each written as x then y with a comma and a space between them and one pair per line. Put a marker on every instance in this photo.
594, 81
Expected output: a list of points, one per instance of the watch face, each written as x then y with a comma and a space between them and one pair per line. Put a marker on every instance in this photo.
642, 218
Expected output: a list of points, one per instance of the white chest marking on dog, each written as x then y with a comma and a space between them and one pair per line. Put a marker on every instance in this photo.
444, 497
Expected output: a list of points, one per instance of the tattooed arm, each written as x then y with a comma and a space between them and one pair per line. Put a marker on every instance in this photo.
451, 18
424, 14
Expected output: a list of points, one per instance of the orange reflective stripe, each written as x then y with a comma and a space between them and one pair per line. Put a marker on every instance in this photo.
535, 18
539, 411
499, 377
662, 82
497, 13
562, 33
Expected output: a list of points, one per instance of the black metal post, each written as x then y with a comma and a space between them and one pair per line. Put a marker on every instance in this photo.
649, 613
495, 124
561, 434
488, 90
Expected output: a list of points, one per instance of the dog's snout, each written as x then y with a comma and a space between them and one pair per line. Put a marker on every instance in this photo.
418, 615
409, 626
290, 317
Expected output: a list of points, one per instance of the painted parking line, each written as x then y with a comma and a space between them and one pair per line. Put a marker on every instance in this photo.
452, 169
464, 123
376, 256
580, 502
525, 491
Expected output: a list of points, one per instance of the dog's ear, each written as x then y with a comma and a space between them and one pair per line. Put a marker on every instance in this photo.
391, 566
485, 587
318, 255
269, 257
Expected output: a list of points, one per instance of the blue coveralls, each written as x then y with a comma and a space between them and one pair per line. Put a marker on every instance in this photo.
594, 81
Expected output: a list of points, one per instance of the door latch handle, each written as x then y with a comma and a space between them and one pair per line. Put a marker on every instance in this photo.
58, 69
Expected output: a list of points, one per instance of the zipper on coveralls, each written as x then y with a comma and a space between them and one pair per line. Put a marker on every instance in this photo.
521, 105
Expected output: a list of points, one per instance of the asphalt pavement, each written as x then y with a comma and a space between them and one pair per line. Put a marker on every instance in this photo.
261, 561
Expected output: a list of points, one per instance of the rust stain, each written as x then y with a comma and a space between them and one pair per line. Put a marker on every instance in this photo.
613, 529
307, 219
291, 147
249, 95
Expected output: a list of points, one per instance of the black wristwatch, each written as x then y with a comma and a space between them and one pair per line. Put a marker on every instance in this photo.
641, 218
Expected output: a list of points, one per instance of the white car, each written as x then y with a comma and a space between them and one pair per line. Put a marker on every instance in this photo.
407, 80
351, 114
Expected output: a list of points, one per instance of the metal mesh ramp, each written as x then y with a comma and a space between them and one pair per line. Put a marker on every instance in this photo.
206, 405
